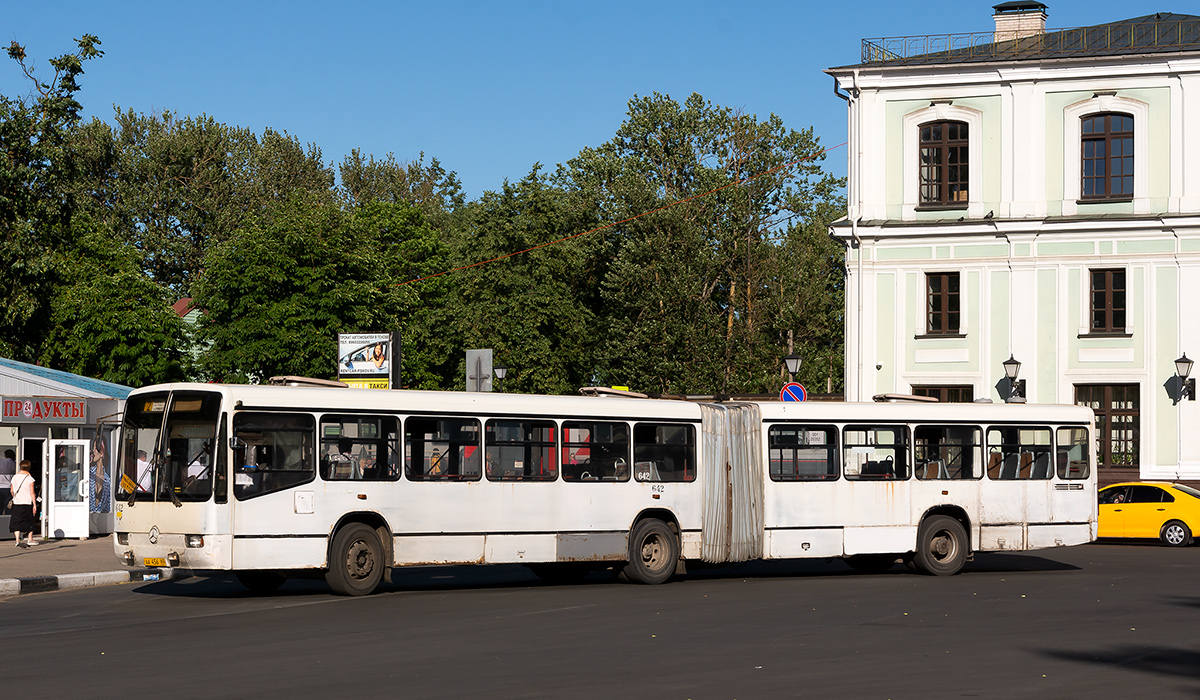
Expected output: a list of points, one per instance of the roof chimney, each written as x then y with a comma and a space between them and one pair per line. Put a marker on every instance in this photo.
1016, 20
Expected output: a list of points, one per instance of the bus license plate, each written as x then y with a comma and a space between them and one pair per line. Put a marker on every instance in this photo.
155, 561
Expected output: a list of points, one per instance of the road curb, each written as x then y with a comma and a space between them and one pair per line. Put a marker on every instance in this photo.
63, 582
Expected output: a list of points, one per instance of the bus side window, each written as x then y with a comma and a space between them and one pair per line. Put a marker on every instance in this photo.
275, 451
802, 452
1019, 453
948, 451
664, 452
875, 452
442, 449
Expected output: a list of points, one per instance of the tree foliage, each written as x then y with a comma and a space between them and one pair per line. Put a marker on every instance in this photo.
279, 290
701, 296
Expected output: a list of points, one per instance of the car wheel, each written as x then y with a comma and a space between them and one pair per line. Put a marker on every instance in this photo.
1176, 534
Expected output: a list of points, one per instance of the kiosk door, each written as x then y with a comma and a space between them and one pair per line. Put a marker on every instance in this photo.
66, 489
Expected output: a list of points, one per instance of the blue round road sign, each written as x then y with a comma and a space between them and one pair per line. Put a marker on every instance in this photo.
793, 392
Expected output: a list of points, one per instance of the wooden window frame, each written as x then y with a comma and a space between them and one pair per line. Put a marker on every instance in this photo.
1108, 150
943, 176
1102, 406
1111, 296
948, 393
949, 322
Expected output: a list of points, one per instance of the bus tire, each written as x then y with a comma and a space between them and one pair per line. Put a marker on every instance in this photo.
356, 562
941, 546
1175, 534
260, 582
653, 552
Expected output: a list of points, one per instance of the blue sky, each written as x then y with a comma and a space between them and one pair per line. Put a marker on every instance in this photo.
489, 88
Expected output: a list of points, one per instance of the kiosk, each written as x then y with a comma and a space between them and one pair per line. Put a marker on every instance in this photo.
64, 425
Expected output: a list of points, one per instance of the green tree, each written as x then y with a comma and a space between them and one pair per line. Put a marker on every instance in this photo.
280, 289
36, 195
107, 319
435, 191
533, 309
699, 296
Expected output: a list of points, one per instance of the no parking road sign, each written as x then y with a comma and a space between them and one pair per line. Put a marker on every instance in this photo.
793, 392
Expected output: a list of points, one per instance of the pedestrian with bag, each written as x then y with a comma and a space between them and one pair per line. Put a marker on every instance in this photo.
23, 506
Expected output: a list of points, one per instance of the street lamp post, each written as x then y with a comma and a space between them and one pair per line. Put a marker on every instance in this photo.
1187, 387
1016, 388
501, 371
792, 364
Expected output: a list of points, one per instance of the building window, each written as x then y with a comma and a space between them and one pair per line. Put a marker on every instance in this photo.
941, 303
1108, 301
943, 175
1107, 156
947, 394
1117, 423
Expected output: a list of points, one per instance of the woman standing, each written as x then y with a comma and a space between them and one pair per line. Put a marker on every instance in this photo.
24, 510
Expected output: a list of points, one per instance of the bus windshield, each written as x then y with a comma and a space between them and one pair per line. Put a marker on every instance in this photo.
168, 454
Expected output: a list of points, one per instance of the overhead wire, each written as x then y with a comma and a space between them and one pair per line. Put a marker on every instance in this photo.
609, 225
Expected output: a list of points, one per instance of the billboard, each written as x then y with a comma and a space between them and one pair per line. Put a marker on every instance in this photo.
366, 360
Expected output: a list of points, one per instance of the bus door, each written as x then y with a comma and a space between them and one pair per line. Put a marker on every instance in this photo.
65, 489
1074, 497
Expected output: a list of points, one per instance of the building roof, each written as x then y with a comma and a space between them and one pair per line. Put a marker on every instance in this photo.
20, 378
183, 306
1163, 32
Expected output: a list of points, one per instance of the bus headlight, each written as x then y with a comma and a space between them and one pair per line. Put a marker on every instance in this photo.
195, 541
123, 538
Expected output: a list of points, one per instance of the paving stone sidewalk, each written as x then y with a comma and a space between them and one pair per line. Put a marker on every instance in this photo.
62, 564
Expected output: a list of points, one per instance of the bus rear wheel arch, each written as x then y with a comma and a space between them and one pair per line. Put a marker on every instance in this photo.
653, 552
356, 560
941, 546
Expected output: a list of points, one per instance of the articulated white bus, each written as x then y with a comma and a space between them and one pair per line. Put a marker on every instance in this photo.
279, 481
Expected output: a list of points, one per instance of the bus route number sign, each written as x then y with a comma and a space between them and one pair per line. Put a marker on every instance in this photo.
793, 392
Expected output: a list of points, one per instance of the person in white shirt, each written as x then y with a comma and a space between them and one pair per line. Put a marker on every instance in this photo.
145, 481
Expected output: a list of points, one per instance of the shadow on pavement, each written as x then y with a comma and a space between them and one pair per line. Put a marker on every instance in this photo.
1163, 661
501, 576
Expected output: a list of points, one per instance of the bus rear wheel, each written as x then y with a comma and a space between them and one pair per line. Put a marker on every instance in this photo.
260, 582
941, 546
653, 552
356, 562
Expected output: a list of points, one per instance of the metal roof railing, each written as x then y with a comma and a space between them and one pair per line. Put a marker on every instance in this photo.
1100, 40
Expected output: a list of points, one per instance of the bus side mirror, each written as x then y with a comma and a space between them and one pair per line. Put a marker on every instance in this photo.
237, 443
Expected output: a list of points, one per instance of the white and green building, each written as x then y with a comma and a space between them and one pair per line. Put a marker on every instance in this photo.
1033, 194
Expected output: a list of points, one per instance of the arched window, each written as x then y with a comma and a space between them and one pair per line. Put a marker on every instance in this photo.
1107, 156
943, 163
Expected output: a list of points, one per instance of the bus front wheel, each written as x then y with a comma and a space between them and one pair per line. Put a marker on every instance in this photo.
355, 561
653, 552
941, 546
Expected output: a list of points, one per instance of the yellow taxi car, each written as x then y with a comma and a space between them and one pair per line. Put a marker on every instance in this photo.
1149, 509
